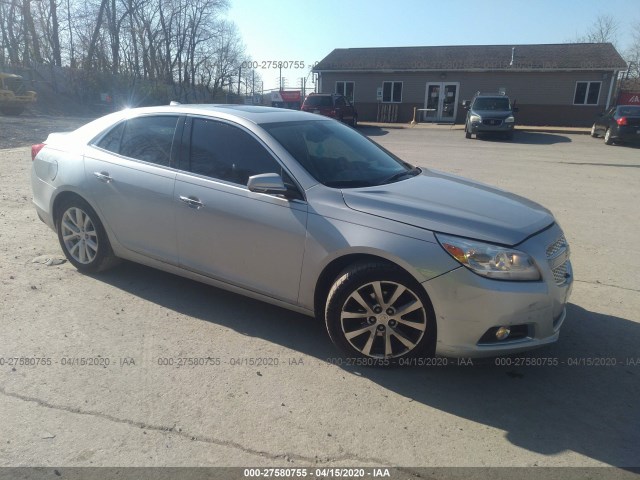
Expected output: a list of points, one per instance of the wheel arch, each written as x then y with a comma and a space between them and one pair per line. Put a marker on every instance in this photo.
335, 267
61, 197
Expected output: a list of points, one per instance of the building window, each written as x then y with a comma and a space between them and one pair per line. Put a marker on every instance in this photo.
347, 89
392, 92
587, 93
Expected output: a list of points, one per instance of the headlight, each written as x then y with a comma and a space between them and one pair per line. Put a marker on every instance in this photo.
509, 119
475, 118
490, 260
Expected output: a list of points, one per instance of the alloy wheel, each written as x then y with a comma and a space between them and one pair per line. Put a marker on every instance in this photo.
79, 235
383, 319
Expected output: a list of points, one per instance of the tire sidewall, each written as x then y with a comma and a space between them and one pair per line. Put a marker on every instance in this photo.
351, 279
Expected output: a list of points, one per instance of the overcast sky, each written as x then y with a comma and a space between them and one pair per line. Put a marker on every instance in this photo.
307, 31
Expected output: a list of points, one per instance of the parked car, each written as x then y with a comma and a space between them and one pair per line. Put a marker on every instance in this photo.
618, 124
489, 114
331, 105
303, 212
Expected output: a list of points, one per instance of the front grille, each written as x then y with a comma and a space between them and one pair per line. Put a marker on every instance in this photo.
557, 247
560, 274
554, 250
494, 122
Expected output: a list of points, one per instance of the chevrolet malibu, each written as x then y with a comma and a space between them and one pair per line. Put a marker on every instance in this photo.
306, 213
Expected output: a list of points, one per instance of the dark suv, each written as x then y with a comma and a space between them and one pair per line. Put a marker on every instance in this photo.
489, 113
331, 105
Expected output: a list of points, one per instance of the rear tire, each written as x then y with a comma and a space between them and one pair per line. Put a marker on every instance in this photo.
607, 137
378, 312
82, 237
354, 122
594, 132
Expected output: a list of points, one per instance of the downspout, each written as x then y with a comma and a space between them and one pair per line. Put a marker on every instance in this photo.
613, 81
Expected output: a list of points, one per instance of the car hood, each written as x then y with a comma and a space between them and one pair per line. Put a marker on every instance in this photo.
448, 204
493, 113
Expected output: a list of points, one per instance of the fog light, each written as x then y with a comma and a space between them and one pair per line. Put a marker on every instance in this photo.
502, 333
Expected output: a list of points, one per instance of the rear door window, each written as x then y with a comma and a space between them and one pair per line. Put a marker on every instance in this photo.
148, 138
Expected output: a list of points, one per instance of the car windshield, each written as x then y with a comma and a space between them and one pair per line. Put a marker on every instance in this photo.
318, 101
501, 104
338, 156
632, 111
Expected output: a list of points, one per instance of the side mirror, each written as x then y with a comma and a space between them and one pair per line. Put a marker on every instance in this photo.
466, 104
515, 109
270, 183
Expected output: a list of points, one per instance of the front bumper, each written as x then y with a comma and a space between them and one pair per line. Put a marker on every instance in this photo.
502, 127
467, 306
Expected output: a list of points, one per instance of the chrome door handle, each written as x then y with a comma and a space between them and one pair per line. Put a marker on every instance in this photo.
103, 176
193, 202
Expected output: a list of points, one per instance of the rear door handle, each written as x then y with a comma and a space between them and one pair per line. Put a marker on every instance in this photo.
103, 176
193, 202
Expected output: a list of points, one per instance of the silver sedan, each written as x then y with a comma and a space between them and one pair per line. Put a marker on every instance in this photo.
303, 212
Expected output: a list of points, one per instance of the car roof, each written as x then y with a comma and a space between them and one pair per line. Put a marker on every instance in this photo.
251, 113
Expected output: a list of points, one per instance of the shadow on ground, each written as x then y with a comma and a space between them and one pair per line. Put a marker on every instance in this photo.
529, 138
547, 409
370, 131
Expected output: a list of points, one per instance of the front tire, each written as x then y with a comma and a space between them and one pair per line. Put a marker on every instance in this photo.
467, 133
377, 311
82, 236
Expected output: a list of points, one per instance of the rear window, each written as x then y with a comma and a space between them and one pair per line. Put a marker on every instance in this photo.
319, 101
631, 111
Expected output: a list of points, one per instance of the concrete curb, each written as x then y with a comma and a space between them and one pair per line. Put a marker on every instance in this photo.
519, 128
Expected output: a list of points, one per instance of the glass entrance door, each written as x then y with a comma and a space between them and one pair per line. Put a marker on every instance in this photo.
441, 102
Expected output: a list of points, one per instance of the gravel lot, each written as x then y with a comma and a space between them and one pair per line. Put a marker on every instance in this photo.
305, 410
25, 130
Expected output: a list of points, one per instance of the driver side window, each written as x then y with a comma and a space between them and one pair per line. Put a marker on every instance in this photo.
225, 152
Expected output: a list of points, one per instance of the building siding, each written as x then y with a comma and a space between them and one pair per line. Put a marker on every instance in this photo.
544, 98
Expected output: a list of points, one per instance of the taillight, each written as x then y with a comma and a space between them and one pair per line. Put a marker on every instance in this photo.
35, 149
622, 121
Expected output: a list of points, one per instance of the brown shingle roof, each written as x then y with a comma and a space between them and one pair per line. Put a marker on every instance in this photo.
564, 56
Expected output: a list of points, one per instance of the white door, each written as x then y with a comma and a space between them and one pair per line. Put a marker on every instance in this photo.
441, 101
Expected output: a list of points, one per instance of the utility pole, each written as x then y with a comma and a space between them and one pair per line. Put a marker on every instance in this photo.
239, 77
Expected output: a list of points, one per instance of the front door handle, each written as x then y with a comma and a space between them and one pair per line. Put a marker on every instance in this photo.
193, 202
103, 177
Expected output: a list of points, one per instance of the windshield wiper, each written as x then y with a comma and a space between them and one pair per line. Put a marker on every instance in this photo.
397, 176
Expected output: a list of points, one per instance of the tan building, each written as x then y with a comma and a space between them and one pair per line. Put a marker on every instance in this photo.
559, 84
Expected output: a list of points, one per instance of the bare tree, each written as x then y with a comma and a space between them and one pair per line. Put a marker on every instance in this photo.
632, 55
603, 30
